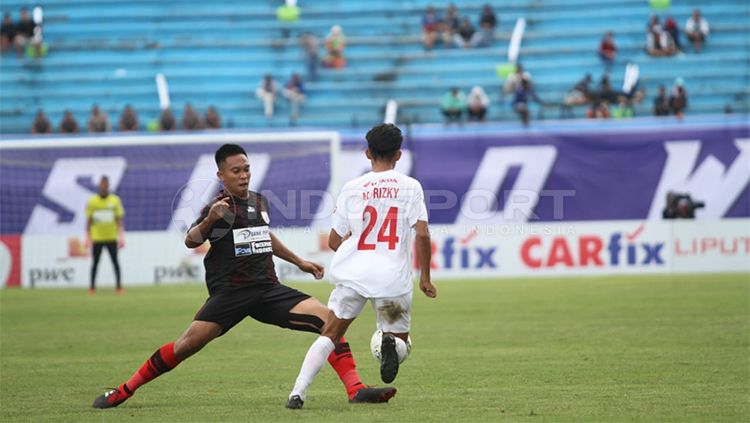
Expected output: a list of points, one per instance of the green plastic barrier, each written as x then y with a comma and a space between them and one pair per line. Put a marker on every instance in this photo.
503, 70
31, 51
660, 4
288, 13
152, 126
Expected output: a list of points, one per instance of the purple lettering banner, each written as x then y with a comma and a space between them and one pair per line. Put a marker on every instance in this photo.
468, 176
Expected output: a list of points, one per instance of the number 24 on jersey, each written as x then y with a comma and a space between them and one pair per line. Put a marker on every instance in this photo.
388, 232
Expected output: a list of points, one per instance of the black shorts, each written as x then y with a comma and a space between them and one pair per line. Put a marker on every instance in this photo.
266, 303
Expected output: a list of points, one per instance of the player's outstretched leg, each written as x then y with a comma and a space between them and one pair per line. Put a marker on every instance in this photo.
342, 361
313, 362
295, 402
339, 357
373, 395
162, 361
388, 358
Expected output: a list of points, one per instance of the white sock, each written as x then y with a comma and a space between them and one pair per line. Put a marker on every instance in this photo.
315, 359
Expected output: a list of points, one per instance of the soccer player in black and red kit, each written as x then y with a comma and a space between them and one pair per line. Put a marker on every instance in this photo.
242, 282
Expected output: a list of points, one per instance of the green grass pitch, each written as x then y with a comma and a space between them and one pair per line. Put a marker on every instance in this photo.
646, 348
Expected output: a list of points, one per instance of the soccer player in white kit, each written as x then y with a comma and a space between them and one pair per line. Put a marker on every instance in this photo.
373, 222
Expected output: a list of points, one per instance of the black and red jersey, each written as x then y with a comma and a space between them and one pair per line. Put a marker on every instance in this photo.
240, 253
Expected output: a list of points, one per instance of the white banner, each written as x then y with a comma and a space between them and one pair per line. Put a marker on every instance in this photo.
147, 258
458, 252
595, 248
560, 249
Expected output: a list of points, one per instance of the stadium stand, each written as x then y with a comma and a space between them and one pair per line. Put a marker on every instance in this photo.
215, 53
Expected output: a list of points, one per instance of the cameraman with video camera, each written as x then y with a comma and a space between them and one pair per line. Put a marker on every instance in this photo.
680, 206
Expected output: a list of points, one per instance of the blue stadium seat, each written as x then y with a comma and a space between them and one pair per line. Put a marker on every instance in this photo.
215, 53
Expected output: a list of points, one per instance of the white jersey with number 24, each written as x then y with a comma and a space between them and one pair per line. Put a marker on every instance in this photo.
380, 210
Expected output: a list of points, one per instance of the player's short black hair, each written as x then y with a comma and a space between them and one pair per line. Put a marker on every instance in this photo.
227, 150
384, 141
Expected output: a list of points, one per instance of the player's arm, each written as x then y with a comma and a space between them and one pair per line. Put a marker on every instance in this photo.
120, 232
88, 232
340, 224
335, 240
424, 258
89, 218
199, 232
119, 214
281, 251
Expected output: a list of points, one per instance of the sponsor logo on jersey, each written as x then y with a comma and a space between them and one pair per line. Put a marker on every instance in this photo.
252, 240
242, 250
262, 247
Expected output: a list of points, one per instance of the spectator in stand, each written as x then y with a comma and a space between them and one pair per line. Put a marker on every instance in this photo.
696, 30
608, 50
294, 91
450, 24
7, 32
653, 21
68, 124
430, 28
41, 124
477, 104
580, 93
598, 110
453, 105
191, 120
167, 121
636, 95
678, 99
661, 103
98, 120
522, 97
487, 25
513, 81
335, 44
670, 26
310, 47
212, 119
659, 43
24, 32
465, 33
266, 92
128, 119
606, 93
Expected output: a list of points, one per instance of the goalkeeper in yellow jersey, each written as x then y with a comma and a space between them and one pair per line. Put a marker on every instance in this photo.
104, 229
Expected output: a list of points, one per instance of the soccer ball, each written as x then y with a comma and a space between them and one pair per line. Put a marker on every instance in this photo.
402, 348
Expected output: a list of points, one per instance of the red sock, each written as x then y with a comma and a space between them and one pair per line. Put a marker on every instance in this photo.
162, 361
342, 361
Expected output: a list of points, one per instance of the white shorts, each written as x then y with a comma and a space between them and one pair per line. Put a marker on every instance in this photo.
393, 314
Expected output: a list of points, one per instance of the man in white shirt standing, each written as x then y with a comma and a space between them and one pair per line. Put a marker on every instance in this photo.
373, 223
696, 30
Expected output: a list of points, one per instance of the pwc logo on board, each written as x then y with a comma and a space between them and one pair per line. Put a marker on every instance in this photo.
619, 249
